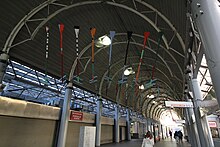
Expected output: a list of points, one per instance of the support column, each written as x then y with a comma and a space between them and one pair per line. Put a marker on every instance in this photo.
191, 133
98, 121
65, 116
147, 125
3, 64
208, 131
206, 15
128, 134
197, 96
193, 127
116, 127
162, 132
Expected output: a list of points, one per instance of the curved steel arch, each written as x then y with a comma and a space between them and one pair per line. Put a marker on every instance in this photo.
152, 108
166, 20
37, 9
161, 111
135, 43
154, 98
158, 110
161, 94
153, 112
170, 98
163, 88
144, 98
145, 65
165, 51
100, 88
163, 83
21, 23
102, 80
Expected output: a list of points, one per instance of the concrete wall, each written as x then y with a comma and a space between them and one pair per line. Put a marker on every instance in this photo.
73, 133
106, 134
26, 132
123, 131
25, 124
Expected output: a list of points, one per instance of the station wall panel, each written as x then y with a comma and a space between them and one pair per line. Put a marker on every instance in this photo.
106, 134
26, 132
73, 132
26, 124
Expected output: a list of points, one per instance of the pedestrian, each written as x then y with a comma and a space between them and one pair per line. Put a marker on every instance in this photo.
176, 136
148, 140
170, 132
180, 135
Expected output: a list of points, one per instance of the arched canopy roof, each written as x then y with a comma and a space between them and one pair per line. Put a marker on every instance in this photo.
23, 38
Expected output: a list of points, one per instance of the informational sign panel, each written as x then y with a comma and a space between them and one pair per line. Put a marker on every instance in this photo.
180, 104
212, 124
180, 121
74, 115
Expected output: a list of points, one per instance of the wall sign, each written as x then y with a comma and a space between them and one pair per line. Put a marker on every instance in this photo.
212, 124
74, 115
180, 104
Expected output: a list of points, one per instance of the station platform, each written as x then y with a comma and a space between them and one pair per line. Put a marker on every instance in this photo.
137, 143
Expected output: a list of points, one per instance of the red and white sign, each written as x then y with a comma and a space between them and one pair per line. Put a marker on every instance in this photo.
212, 124
76, 115
180, 104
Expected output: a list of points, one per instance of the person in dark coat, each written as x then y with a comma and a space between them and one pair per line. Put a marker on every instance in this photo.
170, 132
176, 136
180, 135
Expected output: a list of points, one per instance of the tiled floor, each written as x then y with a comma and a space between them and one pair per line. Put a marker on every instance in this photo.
137, 143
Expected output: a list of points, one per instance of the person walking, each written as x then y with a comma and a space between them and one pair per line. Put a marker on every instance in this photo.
170, 132
148, 140
180, 135
176, 136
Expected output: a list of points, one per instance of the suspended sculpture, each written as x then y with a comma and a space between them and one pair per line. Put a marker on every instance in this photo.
77, 77
94, 78
108, 78
122, 80
61, 29
146, 35
152, 81
46, 54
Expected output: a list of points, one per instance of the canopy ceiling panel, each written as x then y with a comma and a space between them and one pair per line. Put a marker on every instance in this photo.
27, 42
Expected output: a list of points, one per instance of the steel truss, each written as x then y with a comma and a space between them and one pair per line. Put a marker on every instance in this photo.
25, 83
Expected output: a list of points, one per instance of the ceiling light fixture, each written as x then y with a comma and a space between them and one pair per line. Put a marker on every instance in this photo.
129, 71
141, 87
151, 96
103, 41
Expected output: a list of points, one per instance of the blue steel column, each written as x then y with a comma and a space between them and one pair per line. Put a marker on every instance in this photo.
196, 96
206, 15
128, 125
208, 131
98, 121
65, 116
3, 64
193, 137
116, 126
